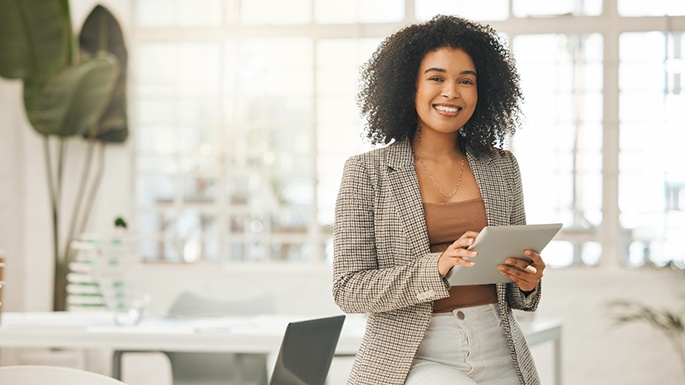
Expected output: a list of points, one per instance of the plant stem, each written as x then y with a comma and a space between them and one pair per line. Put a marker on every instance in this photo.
78, 203
52, 187
95, 186
61, 155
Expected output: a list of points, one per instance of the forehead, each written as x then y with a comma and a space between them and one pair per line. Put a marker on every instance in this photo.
448, 58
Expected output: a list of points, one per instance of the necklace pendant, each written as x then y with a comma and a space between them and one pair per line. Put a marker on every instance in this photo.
456, 188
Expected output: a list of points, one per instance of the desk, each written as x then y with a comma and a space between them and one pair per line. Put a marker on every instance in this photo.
254, 334
94, 330
541, 331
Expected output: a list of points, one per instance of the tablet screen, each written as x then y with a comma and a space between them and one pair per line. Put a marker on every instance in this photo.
496, 243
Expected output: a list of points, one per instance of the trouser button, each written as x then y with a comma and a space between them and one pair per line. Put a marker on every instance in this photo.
460, 315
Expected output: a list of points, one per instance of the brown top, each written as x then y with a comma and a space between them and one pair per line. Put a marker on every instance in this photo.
446, 222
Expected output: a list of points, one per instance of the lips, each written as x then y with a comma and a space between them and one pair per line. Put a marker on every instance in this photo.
447, 109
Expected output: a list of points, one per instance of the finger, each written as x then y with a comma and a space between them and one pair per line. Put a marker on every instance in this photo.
466, 239
464, 242
455, 250
525, 281
458, 256
465, 262
515, 272
520, 274
534, 256
538, 262
470, 234
522, 265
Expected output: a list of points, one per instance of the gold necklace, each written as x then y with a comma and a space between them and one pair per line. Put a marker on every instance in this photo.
456, 188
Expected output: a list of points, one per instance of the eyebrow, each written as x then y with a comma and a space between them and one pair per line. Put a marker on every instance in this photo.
442, 70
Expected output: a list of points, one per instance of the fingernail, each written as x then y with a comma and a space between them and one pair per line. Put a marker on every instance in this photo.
501, 268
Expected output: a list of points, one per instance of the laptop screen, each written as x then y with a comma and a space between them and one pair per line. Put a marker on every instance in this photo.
307, 351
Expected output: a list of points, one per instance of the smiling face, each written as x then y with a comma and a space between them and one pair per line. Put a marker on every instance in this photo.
446, 91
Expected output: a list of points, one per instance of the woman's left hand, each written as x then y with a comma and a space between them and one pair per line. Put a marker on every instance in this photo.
525, 274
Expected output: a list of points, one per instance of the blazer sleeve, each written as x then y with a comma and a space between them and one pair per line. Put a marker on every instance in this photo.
361, 283
517, 298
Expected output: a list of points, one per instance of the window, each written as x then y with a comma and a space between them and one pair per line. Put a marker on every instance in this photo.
651, 8
652, 179
475, 10
244, 112
241, 141
528, 8
563, 106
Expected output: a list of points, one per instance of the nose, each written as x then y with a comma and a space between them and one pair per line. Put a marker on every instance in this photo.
450, 91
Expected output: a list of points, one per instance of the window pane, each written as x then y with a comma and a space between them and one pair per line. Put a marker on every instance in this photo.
525, 8
563, 99
339, 126
475, 10
651, 8
275, 11
158, 13
154, 13
651, 180
358, 11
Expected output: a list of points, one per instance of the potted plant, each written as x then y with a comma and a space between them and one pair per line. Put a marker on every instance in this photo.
671, 323
73, 89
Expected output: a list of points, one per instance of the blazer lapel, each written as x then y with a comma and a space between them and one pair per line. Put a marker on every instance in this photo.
404, 186
493, 188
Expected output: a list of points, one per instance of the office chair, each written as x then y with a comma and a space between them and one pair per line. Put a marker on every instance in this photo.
52, 375
213, 368
307, 351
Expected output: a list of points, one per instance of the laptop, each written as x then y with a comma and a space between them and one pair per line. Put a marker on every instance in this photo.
307, 351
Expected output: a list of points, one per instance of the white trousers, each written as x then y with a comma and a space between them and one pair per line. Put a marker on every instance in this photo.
465, 347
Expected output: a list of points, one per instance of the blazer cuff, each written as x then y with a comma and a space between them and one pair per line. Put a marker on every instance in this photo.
432, 286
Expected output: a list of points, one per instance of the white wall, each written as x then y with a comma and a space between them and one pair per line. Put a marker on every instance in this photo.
595, 351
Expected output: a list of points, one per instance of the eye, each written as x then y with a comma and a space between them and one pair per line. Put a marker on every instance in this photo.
467, 81
435, 79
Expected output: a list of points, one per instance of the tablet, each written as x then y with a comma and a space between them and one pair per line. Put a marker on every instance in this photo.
496, 243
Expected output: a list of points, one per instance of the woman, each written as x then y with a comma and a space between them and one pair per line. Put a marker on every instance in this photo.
445, 95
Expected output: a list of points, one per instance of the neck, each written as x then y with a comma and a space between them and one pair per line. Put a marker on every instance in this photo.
435, 146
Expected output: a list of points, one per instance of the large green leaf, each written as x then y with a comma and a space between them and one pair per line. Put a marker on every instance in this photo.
101, 32
35, 38
74, 100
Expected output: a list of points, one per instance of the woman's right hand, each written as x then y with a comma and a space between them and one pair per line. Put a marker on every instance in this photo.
455, 253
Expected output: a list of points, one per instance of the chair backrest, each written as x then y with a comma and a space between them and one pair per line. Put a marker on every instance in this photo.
307, 351
219, 368
191, 304
52, 375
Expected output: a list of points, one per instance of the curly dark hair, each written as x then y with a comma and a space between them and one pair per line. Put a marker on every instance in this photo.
388, 83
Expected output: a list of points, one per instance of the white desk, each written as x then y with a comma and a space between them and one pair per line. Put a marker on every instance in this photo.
93, 330
541, 331
258, 334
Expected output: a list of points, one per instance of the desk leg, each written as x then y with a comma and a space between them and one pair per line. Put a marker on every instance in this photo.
557, 361
116, 364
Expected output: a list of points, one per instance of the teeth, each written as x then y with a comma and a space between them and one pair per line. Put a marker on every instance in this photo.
447, 109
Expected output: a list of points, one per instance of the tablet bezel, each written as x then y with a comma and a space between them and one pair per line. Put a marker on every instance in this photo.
496, 243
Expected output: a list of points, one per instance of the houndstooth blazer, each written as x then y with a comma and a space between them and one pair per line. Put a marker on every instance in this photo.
383, 265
